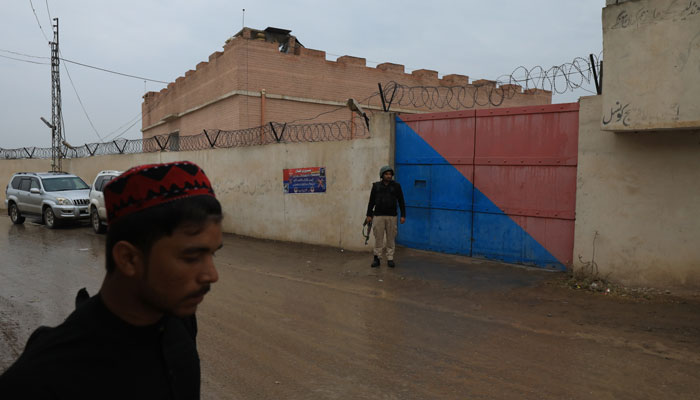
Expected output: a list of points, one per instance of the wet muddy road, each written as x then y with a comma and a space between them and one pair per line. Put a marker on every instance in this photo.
292, 321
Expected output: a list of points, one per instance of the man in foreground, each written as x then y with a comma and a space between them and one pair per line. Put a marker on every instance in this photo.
381, 211
135, 339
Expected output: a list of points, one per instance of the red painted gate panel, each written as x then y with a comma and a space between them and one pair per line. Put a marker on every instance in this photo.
526, 161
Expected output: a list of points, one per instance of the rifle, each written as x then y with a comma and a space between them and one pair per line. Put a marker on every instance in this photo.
369, 229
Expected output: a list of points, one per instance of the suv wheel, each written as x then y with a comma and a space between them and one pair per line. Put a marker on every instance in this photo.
50, 218
97, 225
15, 216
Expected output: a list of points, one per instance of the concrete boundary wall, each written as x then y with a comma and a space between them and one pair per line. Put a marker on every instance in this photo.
651, 50
640, 193
248, 182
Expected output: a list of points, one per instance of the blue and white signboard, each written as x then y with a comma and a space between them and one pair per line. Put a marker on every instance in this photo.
305, 180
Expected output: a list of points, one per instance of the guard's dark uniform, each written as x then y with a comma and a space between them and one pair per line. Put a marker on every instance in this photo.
382, 208
94, 354
384, 198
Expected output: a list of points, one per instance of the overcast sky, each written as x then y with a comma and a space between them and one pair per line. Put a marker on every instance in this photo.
162, 39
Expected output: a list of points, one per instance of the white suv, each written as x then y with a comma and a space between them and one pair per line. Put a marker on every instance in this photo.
98, 213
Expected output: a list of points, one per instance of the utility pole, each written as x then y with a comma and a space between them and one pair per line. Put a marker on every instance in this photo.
56, 123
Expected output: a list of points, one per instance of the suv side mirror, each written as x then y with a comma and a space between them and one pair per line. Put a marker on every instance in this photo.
35, 191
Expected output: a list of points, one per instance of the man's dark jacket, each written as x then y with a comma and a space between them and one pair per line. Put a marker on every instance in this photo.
94, 354
383, 199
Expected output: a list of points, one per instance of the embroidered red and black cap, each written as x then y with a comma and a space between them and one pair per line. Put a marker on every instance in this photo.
150, 185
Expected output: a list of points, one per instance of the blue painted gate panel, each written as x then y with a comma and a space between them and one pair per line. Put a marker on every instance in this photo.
496, 236
451, 191
415, 232
415, 183
438, 197
450, 231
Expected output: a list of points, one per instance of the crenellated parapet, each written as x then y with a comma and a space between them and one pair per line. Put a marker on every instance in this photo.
273, 61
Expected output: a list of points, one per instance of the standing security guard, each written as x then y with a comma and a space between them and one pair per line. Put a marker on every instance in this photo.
381, 211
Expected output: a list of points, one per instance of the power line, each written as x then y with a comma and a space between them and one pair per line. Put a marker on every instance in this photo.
126, 130
113, 72
70, 79
81, 64
23, 55
47, 10
131, 120
37, 21
27, 61
138, 117
81, 102
121, 130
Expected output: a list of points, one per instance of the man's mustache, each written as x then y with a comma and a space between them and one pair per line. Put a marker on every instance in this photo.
201, 292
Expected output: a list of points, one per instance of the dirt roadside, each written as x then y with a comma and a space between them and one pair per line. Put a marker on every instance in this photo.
305, 322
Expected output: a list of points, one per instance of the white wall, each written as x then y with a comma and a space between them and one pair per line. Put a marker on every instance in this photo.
641, 193
248, 182
651, 53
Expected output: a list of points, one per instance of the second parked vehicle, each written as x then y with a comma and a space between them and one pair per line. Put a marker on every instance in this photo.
53, 196
98, 213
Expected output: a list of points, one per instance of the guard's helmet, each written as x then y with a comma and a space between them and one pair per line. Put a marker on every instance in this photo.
384, 169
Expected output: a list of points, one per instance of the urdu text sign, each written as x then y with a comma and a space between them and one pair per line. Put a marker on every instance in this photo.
305, 180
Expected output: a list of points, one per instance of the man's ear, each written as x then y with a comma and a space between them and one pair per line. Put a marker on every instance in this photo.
128, 259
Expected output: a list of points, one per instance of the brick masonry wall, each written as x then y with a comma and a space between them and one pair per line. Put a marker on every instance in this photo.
255, 65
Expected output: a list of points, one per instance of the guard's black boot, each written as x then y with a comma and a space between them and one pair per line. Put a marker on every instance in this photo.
390, 263
375, 263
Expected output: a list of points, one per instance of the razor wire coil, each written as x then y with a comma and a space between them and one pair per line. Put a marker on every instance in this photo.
558, 79
273, 132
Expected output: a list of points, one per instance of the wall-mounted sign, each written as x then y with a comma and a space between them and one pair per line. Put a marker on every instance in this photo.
305, 180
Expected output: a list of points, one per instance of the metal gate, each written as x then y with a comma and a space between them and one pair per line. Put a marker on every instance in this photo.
498, 184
